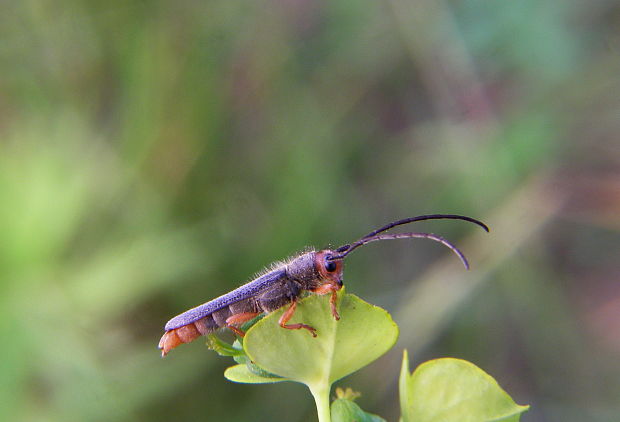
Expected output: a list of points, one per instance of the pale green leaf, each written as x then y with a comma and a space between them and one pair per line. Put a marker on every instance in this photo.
344, 410
242, 374
363, 333
403, 388
454, 390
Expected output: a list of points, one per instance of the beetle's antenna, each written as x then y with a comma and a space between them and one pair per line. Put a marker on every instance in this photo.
374, 235
413, 220
368, 239
427, 217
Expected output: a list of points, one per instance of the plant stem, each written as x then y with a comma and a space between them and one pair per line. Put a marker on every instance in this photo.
320, 392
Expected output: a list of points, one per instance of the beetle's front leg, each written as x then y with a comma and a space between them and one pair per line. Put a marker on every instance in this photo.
330, 288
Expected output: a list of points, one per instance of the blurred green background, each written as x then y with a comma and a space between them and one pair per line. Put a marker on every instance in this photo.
156, 154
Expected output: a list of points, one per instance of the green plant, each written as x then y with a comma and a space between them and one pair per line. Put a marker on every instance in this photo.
439, 390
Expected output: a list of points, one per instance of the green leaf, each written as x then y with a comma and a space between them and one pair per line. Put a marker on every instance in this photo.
242, 374
223, 348
403, 389
344, 410
449, 390
363, 333
236, 351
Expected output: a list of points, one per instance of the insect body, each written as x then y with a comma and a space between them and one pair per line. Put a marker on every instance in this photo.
319, 272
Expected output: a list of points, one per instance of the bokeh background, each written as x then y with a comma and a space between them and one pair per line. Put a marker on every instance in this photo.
156, 154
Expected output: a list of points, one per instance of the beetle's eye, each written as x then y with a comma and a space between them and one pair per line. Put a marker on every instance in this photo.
330, 266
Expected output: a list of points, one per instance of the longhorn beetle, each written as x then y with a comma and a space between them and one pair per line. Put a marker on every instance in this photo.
318, 272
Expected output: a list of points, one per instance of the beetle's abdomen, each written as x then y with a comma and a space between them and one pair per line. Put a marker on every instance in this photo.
186, 333
208, 324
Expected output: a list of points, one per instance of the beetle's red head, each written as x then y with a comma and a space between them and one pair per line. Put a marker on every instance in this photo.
329, 270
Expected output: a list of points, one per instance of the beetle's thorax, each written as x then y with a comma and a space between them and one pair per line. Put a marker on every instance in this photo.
303, 270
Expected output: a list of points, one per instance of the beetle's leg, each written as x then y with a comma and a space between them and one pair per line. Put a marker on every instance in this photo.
332, 303
329, 288
286, 316
239, 319
237, 331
